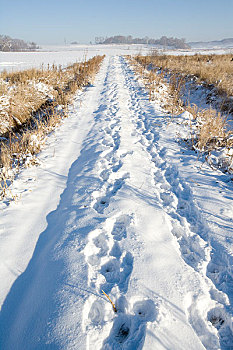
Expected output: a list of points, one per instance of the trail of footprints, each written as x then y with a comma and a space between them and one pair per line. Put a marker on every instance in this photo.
109, 265
110, 268
188, 226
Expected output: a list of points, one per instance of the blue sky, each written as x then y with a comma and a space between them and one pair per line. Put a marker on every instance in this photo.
50, 21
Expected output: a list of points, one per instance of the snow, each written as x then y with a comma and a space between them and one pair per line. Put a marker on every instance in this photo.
44, 89
117, 203
63, 55
69, 54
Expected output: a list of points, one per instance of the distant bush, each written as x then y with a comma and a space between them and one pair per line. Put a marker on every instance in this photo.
163, 41
9, 44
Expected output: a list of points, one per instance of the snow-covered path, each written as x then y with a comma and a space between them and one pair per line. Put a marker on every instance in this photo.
127, 223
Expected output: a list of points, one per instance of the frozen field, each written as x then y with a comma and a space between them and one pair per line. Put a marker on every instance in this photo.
64, 55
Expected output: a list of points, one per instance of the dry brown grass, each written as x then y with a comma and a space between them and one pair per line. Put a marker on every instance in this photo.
24, 93
214, 72
211, 130
20, 149
166, 94
30, 115
208, 126
213, 69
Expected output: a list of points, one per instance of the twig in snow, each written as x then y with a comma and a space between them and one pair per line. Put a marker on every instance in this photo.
113, 305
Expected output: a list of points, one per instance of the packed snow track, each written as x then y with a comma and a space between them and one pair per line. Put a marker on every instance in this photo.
113, 213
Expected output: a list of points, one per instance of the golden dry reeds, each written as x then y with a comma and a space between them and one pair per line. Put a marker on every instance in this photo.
213, 69
168, 95
24, 93
211, 130
28, 110
209, 124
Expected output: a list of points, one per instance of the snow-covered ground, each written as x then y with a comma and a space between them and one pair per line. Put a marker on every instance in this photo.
117, 204
68, 54
63, 55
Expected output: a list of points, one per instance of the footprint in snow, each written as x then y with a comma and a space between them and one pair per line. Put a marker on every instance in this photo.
103, 202
105, 175
149, 136
117, 166
101, 108
123, 155
96, 313
111, 271
101, 243
126, 270
117, 273
116, 250
119, 230
129, 330
166, 198
108, 143
99, 248
219, 319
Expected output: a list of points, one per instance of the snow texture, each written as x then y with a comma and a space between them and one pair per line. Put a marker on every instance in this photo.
117, 204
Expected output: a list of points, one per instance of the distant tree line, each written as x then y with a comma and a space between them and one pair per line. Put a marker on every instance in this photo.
9, 44
163, 41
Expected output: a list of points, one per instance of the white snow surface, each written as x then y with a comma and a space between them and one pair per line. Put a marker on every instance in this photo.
69, 54
117, 204
63, 55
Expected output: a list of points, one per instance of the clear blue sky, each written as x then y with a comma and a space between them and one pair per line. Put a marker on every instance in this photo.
50, 21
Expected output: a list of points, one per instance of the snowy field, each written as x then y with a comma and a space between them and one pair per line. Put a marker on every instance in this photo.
64, 55
117, 203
